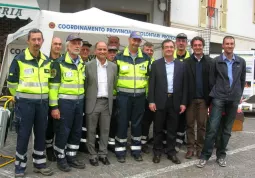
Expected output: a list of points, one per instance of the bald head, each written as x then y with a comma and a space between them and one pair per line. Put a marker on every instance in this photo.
101, 50
56, 46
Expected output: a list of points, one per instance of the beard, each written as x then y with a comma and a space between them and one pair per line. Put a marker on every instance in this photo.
75, 52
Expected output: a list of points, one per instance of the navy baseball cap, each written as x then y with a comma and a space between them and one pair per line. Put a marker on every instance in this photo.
136, 34
73, 37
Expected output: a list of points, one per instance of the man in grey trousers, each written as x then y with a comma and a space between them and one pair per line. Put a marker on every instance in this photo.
101, 76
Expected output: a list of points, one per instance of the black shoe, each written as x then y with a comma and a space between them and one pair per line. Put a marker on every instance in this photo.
145, 149
76, 164
121, 159
94, 162
174, 159
50, 154
156, 159
97, 144
150, 141
138, 157
105, 161
63, 166
83, 149
111, 148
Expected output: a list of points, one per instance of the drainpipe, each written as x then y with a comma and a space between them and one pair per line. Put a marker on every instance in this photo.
167, 13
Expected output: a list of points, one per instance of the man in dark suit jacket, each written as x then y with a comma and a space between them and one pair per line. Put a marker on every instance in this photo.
197, 70
167, 98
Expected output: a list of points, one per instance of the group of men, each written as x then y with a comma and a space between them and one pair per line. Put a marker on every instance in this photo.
75, 98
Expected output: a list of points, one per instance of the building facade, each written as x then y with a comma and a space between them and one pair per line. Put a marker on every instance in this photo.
213, 19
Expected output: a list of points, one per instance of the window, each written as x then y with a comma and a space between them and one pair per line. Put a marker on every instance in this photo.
208, 16
203, 13
213, 14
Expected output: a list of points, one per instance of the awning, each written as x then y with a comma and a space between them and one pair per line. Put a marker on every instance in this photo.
23, 9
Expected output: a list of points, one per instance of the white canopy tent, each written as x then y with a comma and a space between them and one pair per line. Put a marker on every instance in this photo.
93, 25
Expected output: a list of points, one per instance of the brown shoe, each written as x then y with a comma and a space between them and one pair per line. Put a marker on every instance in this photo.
198, 154
189, 154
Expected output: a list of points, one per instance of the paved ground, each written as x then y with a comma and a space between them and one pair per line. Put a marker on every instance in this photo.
241, 162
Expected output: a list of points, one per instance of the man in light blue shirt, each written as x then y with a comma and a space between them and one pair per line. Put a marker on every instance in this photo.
227, 80
229, 64
170, 75
167, 98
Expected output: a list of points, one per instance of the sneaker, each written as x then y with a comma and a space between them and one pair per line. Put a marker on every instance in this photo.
222, 162
201, 163
43, 171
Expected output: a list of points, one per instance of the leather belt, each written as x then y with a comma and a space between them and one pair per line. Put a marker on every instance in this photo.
169, 95
102, 98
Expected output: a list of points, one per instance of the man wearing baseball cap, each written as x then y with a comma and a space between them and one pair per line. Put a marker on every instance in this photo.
181, 43
67, 103
85, 51
181, 54
133, 69
112, 52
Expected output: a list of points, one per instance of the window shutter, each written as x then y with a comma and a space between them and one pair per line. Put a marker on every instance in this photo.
202, 13
223, 17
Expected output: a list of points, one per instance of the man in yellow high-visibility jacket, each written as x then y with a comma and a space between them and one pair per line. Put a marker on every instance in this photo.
112, 52
86, 57
55, 54
181, 54
133, 68
28, 82
67, 103
181, 44
148, 48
